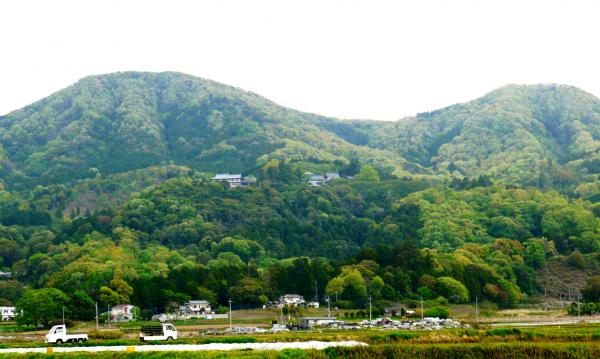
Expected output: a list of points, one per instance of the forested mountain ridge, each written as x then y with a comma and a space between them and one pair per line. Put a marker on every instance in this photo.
541, 135
107, 197
124, 121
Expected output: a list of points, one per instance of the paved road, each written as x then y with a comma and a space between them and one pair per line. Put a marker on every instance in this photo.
189, 347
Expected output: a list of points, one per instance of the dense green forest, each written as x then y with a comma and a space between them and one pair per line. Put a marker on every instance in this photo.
106, 196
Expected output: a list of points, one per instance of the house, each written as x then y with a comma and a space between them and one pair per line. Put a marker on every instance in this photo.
122, 313
396, 310
7, 314
234, 180
292, 300
312, 304
319, 180
316, 180
331, 176
317, 321
5, 274
195, 308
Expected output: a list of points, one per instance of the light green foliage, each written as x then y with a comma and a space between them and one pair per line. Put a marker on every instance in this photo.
533, 135
452, 289
535, 252
248, 291
104, 194
40, 306
125, 121
368, 174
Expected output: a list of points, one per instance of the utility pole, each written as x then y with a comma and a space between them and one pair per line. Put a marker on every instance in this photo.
96, 315
422, 308
230, 322
476, 311
316, 292
63, 315
328, 307
281, 308
370, 318
578, 312
107, 316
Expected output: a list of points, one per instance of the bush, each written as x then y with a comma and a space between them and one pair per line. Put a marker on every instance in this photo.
438, 312
222, 310
576, 259
441, 301
344, 304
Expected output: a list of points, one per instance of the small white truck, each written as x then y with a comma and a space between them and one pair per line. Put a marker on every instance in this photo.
165, 331
58, 335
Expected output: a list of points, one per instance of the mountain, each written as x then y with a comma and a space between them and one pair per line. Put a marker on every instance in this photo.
520, 134
125, 121
106, 198
542, 135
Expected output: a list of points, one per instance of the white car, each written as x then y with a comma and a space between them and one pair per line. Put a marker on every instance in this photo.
165, 331
278, 328
58, 334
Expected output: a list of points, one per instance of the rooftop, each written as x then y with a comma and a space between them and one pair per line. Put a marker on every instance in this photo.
287, 296
226, 176
198, 302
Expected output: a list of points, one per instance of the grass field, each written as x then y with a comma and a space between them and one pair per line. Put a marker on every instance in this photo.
564, 341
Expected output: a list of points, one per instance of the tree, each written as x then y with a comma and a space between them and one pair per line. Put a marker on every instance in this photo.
355, 288
375, 286
335, 287
40, 306
452, 289
207, 294
368, 174
591, 291
11, 289
248, 292
351, 169
82, 306
535, 253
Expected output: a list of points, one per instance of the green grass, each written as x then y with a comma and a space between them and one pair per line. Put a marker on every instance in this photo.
539, 350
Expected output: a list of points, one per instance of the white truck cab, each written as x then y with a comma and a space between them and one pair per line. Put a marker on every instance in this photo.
58, 334
165, 331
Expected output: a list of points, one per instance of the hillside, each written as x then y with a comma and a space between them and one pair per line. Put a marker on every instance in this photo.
124, 121
106, 198
542, 135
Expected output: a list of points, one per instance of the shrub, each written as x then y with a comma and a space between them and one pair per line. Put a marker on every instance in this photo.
438, 312
576, 259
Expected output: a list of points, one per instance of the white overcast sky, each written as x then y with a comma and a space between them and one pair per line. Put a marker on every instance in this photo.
349, 59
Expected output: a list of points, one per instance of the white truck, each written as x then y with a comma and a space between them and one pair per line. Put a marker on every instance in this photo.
58, 335
165, 331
